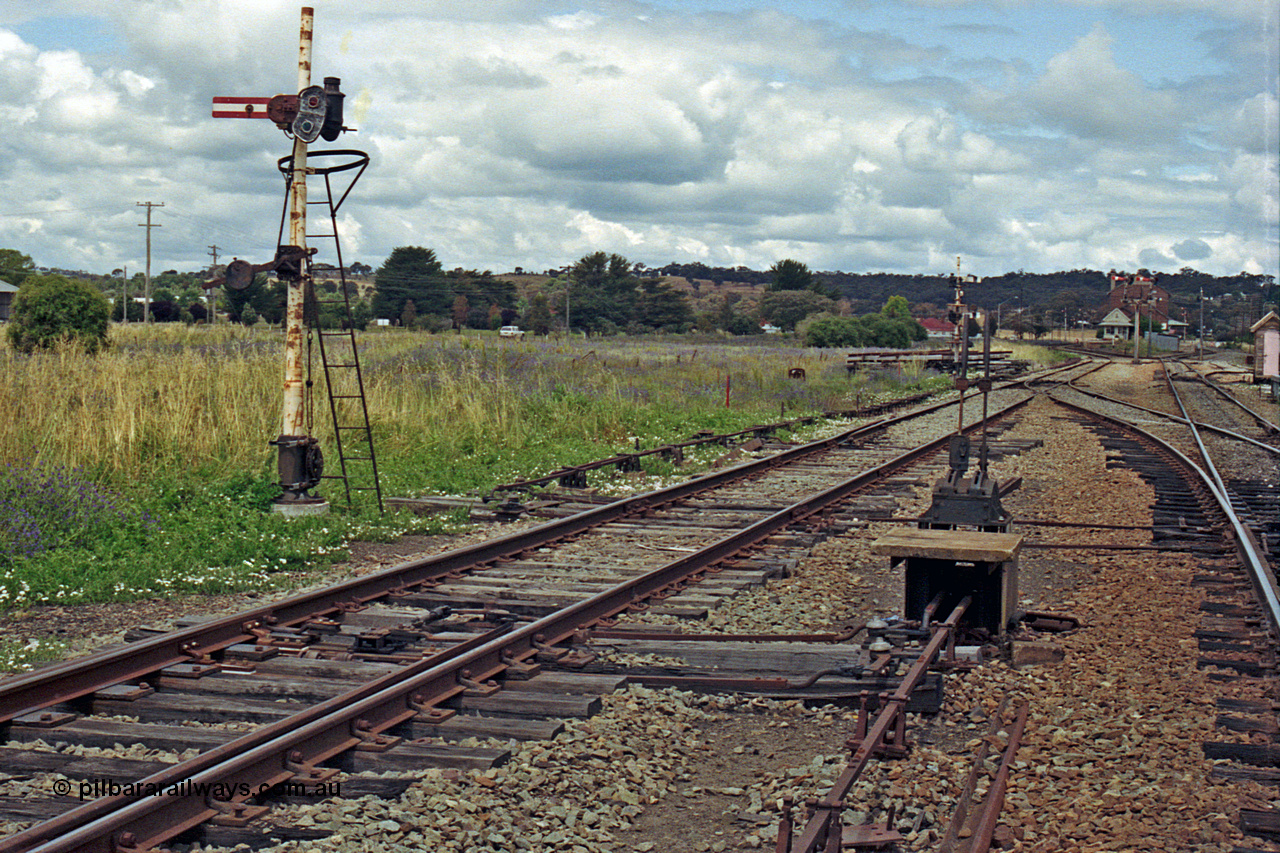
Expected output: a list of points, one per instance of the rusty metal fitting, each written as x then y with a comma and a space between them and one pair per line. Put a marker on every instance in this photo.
125, 842
477, 688
785, 825
429, 713
371, 741
233, 813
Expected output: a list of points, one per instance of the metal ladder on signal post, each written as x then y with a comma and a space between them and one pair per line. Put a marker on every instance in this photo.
339, 355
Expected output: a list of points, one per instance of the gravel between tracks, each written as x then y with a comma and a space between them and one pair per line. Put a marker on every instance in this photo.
1112, 756
1111, 759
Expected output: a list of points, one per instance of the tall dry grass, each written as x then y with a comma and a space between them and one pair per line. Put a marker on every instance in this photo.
167, 398
160, 396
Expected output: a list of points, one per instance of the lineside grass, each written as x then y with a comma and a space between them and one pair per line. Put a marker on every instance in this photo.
174, 422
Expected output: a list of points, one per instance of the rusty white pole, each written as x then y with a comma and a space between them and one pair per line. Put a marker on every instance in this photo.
292, 422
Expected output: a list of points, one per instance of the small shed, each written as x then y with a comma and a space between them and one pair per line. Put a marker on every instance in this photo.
6, 299
1266, 348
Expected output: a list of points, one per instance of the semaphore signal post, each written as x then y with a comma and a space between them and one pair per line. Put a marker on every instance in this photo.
316, 111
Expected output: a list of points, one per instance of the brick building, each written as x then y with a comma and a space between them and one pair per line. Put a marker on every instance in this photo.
1151, 300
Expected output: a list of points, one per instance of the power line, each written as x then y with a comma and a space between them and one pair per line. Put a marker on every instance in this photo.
220, 227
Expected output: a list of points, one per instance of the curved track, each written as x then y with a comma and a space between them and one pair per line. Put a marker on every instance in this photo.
1193, 512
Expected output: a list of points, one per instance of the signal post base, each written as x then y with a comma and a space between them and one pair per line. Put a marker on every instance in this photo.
300, 508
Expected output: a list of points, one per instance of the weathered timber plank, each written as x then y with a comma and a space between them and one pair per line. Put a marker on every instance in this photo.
309, 668
312, 690
527, 704
965, 545
475, 725
1247, 724
574, 683
108, 733
791, 660
75, 766
256, 837
24, 810
413, 757
1261, 775
1260, 822
179, 707
1260, 754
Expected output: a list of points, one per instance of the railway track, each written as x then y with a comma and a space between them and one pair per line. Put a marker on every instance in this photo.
1202, 418
1192, 512
403, 651
508, 638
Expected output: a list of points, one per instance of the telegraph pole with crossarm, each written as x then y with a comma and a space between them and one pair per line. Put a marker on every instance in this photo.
146, 295
314, 112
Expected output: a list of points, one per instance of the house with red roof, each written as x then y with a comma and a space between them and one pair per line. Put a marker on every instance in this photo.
937, 328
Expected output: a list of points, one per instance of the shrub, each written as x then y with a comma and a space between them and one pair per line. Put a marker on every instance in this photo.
51, 309
828, 331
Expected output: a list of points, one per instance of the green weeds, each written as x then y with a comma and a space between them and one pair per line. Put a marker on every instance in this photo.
22, 656
188, 476
201, 538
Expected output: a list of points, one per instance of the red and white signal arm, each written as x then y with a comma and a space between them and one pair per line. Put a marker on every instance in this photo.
243, 107
305, 114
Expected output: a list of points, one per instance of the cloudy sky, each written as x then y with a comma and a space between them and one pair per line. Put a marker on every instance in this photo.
860, 135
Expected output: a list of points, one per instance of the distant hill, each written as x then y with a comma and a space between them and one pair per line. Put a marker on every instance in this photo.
1037, 291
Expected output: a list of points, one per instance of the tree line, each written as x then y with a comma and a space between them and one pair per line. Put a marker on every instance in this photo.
605, 293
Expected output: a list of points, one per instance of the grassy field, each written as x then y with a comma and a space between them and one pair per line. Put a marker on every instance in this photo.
145, 471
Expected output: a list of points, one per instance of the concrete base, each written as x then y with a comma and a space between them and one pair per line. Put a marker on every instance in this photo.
300, 509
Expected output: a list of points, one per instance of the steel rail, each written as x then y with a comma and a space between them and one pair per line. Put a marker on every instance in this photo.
825, 820
1246, 544
980, 841
1172, 417
296, 745
1263, 574
72, 824
72, 679
624, 457
963, 802
627, 457
1267, 425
